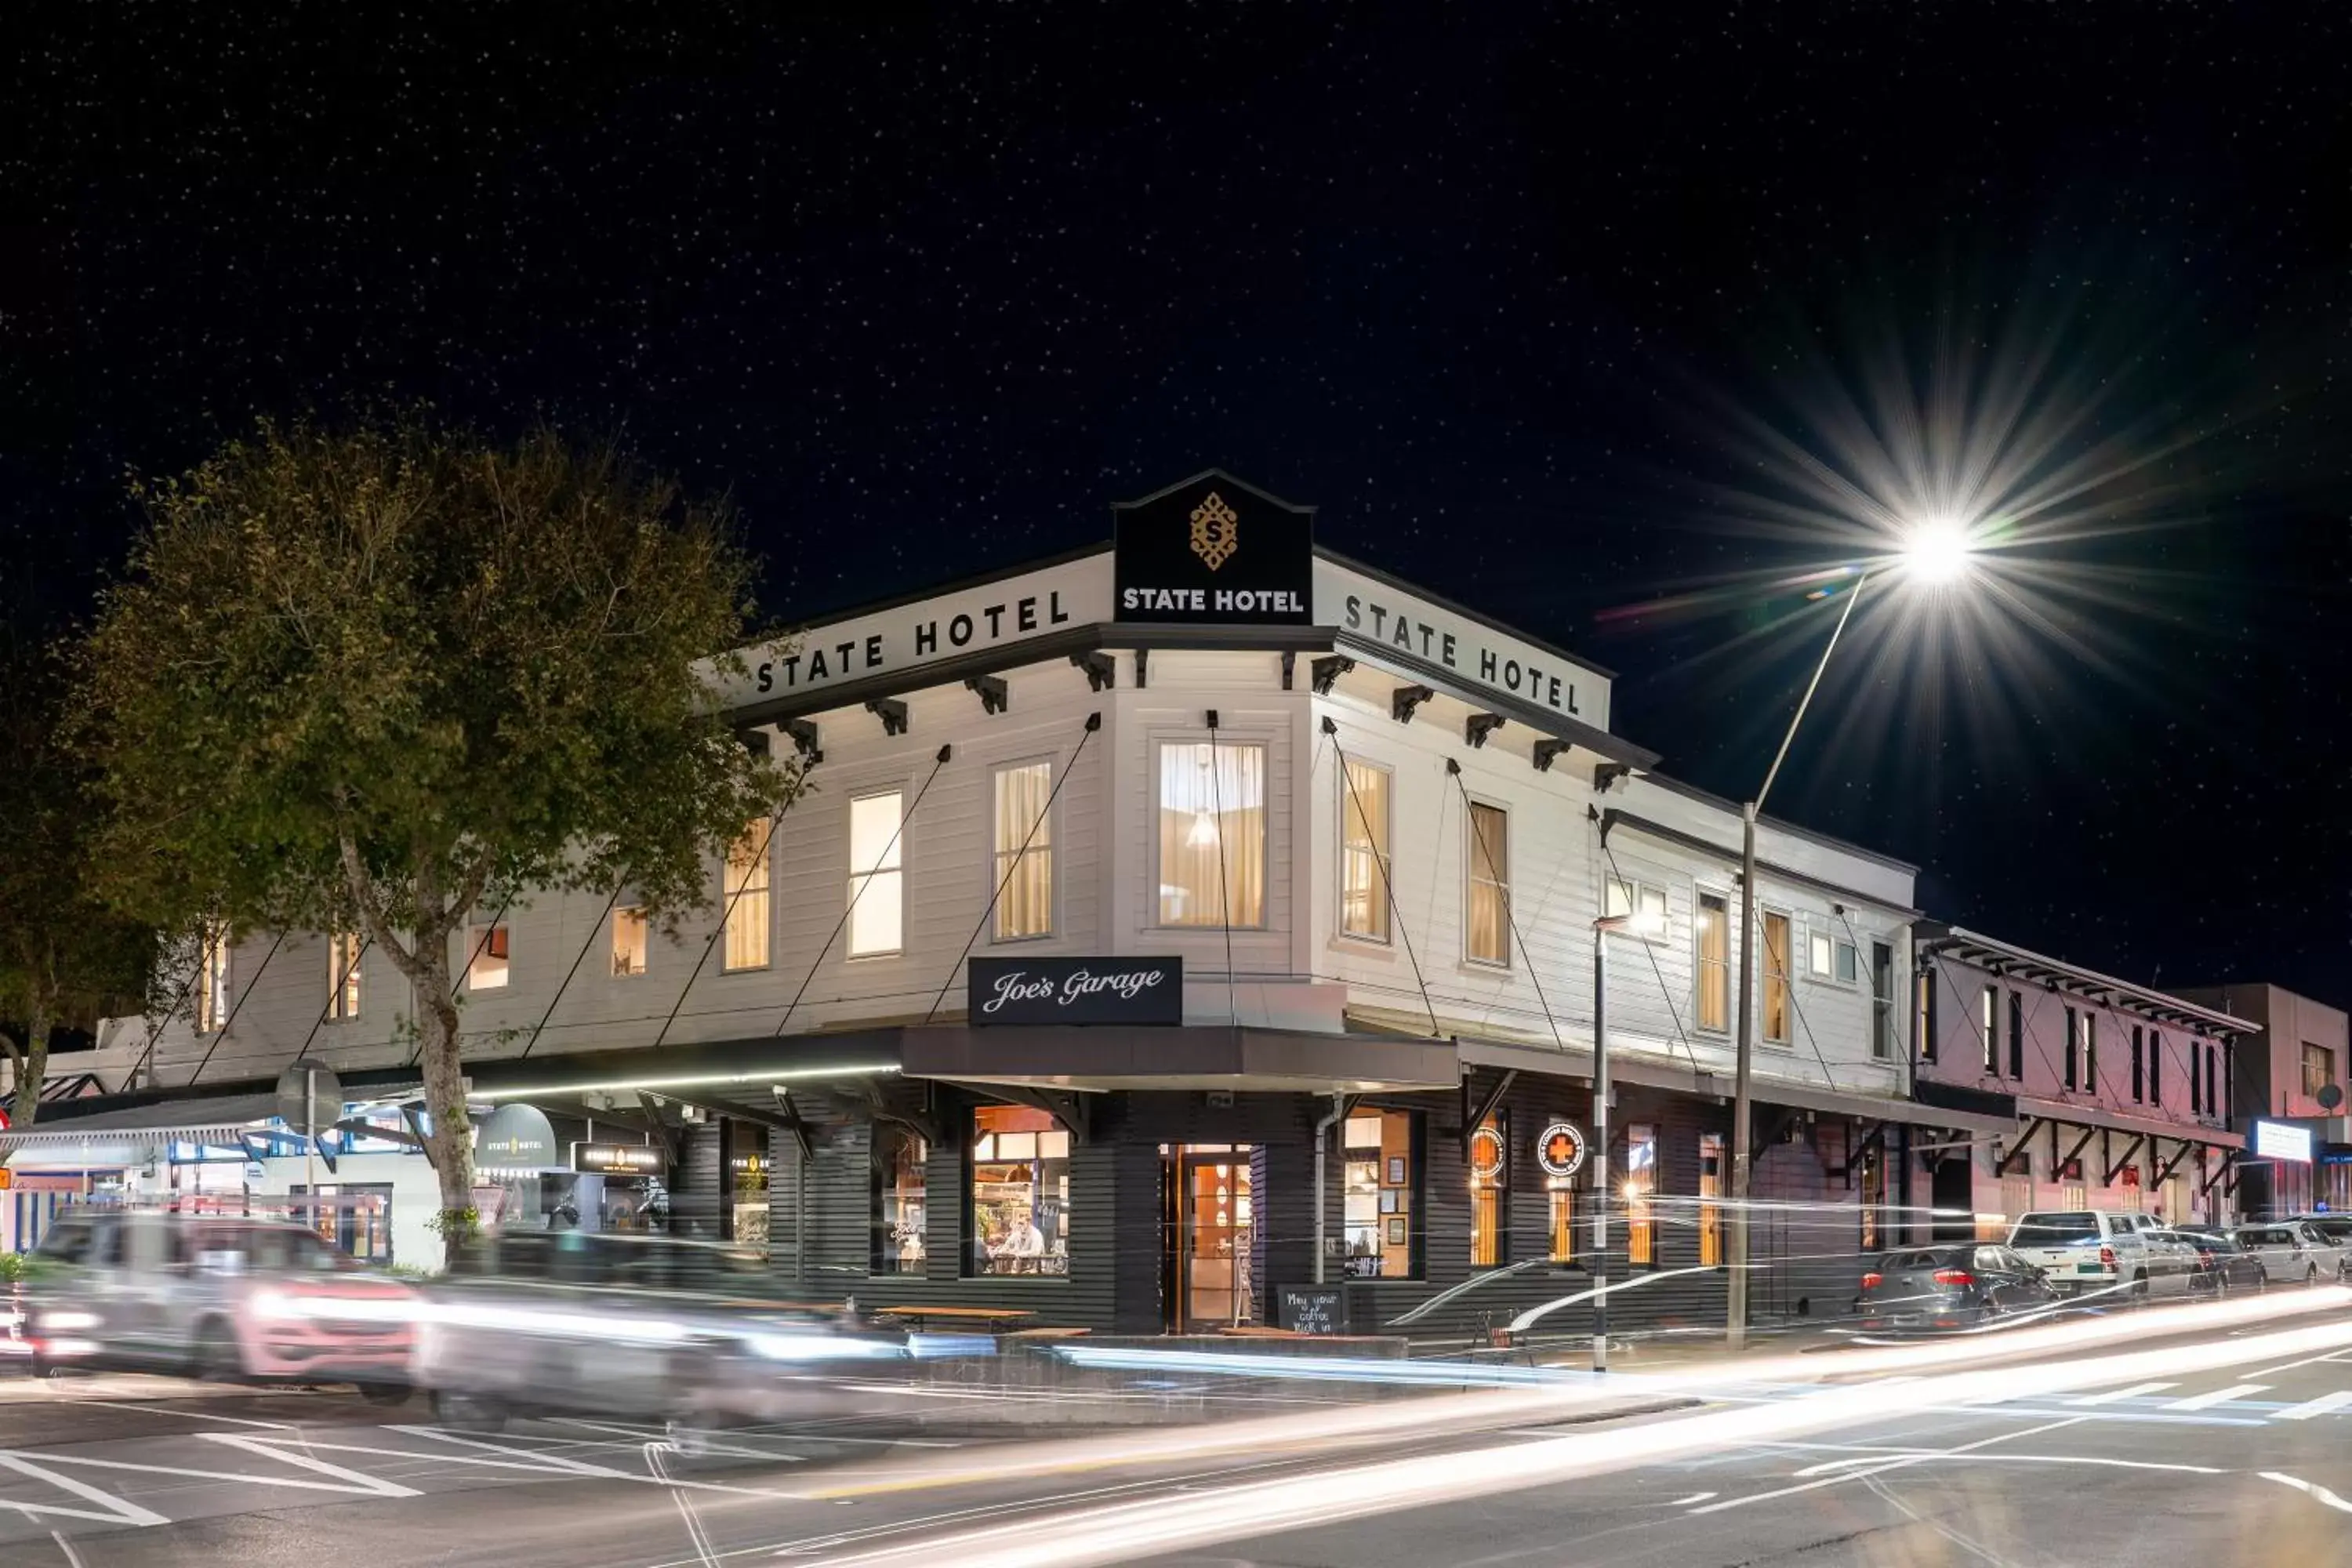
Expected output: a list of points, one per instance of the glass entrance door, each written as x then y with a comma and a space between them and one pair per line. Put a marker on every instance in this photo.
1214, 1289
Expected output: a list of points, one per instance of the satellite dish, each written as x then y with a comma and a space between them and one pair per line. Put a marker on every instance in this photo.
2331, 1095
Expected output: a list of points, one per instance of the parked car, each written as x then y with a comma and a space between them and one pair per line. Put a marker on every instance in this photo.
2292, 1252
219, 1297
2086, 1250
634, 1326
2335, 1229
1958, 1285
2223, 1266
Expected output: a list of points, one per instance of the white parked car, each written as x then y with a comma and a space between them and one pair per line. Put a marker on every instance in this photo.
2106, 1250
2292, 1252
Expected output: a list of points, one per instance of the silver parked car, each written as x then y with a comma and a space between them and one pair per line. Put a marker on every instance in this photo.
2292, 1252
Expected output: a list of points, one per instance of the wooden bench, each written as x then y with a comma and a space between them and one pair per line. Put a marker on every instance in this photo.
1260, 1333
1048, 1334
990, 1320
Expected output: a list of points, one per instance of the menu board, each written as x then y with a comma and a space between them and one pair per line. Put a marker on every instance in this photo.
1313, 1309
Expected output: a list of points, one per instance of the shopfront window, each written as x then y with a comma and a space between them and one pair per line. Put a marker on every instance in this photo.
898, 1209
1211, 834
746, 1148
1560, 1218
1641, 1182
1364, 852
1710, 1196
1020, 1192
354, 1217
1490, 1192
1382, 1181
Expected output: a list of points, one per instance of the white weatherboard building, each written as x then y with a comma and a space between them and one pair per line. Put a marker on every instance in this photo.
1285, 876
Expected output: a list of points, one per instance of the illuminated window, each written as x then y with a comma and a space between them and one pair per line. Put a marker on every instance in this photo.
1364, 852
630, 930
1020, 1192
1025, 851
1711, 936
876, 893
1560, 1197
1382, 1179
490, 963
1989, 1025
1820, 950
212, 980
1640, 1182
902, 1159
1490, 1192
744, 894
343, 975
1881, 1001
2318, 1068
1487, 933
1923, 1012
1710, 1192
1645, 903
1213, 867
1776, 978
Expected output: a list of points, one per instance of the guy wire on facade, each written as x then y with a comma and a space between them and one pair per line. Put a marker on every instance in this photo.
1454, 769
1224, 896
1388, 888
238, 1007
1093, 722
178, 999
467, 972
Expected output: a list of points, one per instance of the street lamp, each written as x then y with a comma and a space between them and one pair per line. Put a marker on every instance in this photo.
1935, 552
1647, 924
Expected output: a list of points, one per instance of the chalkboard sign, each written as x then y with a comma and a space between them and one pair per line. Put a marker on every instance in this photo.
1313, 1309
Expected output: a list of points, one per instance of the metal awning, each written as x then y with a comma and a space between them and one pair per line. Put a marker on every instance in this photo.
2067, 1113
217, 1121
1626, 1067
2007, 959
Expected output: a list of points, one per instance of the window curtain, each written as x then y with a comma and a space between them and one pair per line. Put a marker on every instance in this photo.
746, 897
1364, 904
1490, 865
1212, 802
1026, 908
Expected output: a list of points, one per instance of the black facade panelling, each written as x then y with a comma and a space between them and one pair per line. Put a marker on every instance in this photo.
695, 1182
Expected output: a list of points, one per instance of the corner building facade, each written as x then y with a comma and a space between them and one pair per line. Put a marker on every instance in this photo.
1200, 931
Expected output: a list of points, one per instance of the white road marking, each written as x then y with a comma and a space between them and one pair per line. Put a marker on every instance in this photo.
276, 1448
1874, 1468
2216, 1396
196, 1415
2114, 1395
118, 1510
1686, 1501
2319, 1493
2290, 1366
2319, 1406
1930, 1456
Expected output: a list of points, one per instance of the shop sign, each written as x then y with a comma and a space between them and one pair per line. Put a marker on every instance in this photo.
749, 1166
2276, 1141
1485, 1152
617, 1160
516, 1138
1559, 1149
1075, 991
1313, 1309
1212, 550
1446, 641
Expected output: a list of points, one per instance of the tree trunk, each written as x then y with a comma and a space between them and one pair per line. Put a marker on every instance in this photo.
33, 1066
451, 1140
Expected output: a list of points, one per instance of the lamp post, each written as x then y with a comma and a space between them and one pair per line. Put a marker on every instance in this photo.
1601, 929
1936, 554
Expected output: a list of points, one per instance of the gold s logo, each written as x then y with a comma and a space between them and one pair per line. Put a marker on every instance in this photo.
1214, 531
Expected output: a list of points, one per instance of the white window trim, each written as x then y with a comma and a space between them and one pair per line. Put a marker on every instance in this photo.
612, 933
338, 982
1386, 852
864, 878
1054, 765
1763, 963
1665, 935
727, 902
1730, 959
1160, 742
1470, 858
1831, 934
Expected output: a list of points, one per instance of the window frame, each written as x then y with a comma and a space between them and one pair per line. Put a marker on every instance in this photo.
1412, 1201
881, 1171
1498, 1124
1472, 858
1663, 932
1383, 855
1700, 964
2326, 1060
1764, 917
1989, 1023
214, 980
973, 1262
346, 976
613, 943
2016, 1034
1258, 740
732, 898
1642, 1233
998, 873
495, 941
854, 887
1882, 1004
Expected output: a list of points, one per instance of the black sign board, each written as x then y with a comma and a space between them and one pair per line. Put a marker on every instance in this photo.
617, 1160
515, 1138
1214, 550
1077, 991
1313, 1309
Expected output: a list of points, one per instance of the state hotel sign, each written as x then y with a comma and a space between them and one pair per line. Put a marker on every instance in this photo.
1212, 551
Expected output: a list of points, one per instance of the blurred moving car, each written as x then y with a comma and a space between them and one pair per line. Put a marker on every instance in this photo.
2335, 1231
2106, 1250
214, 1296
631, 1326
1959, 1285
2222, 1266
2292, 1252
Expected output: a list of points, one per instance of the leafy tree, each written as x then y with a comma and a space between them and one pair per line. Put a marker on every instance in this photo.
64, 958
369, 679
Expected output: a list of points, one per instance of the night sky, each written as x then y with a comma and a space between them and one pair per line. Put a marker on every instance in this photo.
1510, 296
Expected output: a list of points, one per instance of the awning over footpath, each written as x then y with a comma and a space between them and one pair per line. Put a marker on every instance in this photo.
221, 1119
2067, 1113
